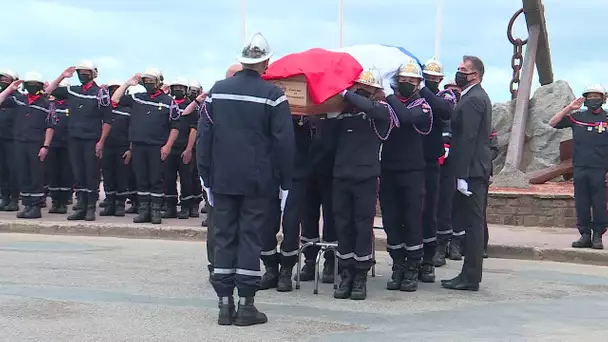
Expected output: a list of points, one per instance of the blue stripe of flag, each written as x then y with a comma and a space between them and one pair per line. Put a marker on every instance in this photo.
407, 53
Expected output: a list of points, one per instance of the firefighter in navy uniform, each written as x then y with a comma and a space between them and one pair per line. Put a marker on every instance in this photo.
153, 130
402, 181
279, 265
33, 132
116, 159
195, 87
590, 160
180, 159
89, 126
57, 164
359, 130
9, 186
231, 145
320, 182
433, 150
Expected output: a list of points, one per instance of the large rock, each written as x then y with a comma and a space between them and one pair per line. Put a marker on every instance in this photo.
541, 148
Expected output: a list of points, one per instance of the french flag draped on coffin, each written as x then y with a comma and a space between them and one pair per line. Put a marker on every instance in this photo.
312, 79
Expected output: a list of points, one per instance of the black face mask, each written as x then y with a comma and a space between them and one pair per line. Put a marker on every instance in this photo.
33, 89
433, 86
179, 94
461, 79
4, 85
364, 93
150, 88
594, 104
84, 78
406, 89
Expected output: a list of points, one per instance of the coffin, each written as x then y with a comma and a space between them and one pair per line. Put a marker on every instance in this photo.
299, 99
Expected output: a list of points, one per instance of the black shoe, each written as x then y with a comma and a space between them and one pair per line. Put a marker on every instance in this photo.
583, 242
62, 208
24, 212
596, 241
109, 209
205, 222
308, 271
171, 212
155, 215
79, 205
54, 207
119, 209
33, 213
194, 211
397, 277
227, 312
440, 253
270, 279
284, 283
453, 280
4, 202
247, 314
345, 287
12, 206
184, 213
79, 213
359, 290
427, 273
143, 213
459, 283
328, 272
455, 251
410, 278
90, 212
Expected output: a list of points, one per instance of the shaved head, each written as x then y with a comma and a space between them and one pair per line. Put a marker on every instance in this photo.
233, 70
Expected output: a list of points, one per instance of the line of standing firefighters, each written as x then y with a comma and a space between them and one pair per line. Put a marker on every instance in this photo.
56, 138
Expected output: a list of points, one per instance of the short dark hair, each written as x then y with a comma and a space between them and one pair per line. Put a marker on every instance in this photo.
477, 64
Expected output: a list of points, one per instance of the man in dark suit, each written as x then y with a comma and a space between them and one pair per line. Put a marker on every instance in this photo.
472, 162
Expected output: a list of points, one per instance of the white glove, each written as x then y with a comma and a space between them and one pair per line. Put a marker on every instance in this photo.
447, 152
463, 187
283, 194
422, 84
209, 194
333, 115
343, 92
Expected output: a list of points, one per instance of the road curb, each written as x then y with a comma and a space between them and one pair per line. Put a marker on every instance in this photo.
169, 232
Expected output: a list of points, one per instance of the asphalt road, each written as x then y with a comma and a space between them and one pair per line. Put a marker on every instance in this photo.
64, 288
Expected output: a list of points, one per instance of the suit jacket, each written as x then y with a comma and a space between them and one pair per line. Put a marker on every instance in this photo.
471, 152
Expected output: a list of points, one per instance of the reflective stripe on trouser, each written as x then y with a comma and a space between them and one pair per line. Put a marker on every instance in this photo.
9, 186
59, 171
115, 172
401, 200
292, 218
447, 187
429, 212
318, 195
31, 173
238, 223
268, 235
85, 168
148, 171
354, 212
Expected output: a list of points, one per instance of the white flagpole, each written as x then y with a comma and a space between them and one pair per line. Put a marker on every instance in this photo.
438, 28
243, 20
341, 22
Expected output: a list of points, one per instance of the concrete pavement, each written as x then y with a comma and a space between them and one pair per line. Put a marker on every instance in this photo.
72, 288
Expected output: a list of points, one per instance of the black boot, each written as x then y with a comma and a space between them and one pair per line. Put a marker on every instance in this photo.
410, 278
227, 311
184, 213
427, 272
54, 207
455, 251
328, 271
171, 212
62, 208
120, 208
90, 212
346, 284
308, 271
33, 213
12, 205
359, 291
143, 212
596, 241
194, 210
270, 279
439, 257
4, 202
155, 214
80, 212
106, 201
24, 212
397, 277
79, 205
583, 242
109, 209
247, 314
284, 283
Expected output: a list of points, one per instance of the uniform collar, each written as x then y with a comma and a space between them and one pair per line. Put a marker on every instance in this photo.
86, 87
32, 98
158, 92
180, 101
